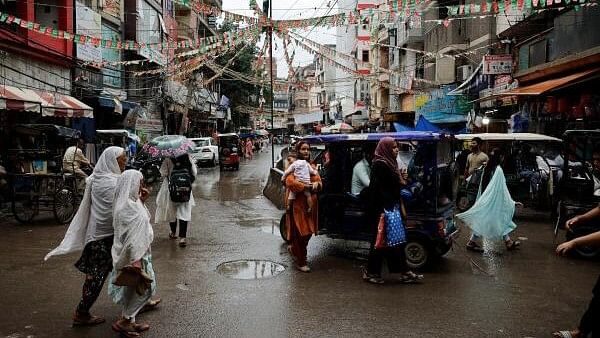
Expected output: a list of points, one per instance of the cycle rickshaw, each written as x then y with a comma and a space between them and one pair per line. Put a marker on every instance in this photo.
37, 181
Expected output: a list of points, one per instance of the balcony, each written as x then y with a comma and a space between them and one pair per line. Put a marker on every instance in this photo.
445, 40
410, 33
384, 77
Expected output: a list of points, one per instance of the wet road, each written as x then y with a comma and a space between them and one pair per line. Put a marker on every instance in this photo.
528, 293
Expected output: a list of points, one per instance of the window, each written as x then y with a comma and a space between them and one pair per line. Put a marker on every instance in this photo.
9, 7
365, 56
46, 13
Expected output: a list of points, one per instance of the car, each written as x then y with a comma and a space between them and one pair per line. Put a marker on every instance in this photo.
206, 151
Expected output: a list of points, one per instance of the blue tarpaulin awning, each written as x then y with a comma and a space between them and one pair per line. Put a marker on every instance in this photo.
401, 127
424, 125
110, 103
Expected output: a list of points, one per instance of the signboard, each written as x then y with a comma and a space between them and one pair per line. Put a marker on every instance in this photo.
438, 107
88, 22
149, 125
497, 64
308, 118
212, 21
502, 83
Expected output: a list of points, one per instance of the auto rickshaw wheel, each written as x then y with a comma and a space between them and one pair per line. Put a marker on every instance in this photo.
417, 254
283, 231
65, 206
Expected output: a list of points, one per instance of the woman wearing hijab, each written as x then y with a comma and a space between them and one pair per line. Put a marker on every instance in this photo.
92, 230
300, 224
173, 212
131, 247
384, 190
491, 215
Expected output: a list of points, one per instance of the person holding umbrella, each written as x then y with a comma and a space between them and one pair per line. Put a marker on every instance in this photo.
175, 199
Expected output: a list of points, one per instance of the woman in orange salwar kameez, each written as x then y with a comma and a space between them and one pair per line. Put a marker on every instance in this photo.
249, 150
300, 224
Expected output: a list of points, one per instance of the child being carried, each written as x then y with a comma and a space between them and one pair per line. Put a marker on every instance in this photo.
302, 171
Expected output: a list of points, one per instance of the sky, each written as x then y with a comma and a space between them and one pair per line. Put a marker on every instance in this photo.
289, 10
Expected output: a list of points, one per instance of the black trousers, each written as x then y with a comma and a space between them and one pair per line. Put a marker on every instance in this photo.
395, 257
182, 228
590, 322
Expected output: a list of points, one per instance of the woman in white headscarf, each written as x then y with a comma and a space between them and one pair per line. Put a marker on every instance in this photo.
131, 247
92, 230
172, 212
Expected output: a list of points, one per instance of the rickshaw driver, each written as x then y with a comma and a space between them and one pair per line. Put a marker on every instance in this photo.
476, 158
73, 160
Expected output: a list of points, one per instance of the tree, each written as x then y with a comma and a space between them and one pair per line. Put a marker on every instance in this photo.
238, 92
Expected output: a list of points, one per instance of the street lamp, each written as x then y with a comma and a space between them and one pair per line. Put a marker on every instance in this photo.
486, 123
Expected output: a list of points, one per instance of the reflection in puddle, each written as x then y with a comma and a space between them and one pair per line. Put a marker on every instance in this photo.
250, 269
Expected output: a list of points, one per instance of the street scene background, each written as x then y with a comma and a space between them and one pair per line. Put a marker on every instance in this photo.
530, 292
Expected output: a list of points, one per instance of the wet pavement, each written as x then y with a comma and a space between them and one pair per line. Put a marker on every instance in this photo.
526, 293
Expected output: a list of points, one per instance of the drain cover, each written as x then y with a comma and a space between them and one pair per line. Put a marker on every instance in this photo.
250, 269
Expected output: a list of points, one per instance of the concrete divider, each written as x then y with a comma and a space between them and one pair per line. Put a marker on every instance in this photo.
274, 190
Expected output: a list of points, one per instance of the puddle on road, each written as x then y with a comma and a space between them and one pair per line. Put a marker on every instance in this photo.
250, 269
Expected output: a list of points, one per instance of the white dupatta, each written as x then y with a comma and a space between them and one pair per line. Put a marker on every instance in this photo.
133, 231
81, 231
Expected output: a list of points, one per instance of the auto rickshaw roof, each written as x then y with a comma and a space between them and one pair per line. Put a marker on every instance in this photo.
118, 132
38, 129
587, 133
228, 135
399, 136
508, 137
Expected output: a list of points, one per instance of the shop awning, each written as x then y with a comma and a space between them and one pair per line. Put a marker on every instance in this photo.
546, 86
19, 99
49, 104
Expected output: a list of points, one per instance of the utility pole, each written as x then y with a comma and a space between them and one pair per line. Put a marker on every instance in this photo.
272, 88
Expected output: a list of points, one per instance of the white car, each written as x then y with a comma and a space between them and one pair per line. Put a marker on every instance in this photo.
205, 152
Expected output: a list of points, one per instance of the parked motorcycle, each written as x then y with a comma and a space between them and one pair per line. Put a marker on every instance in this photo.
149, 167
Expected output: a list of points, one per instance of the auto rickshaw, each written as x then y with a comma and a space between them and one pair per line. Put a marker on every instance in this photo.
117, 137
229, 156
579, 188
342, 215
531, 164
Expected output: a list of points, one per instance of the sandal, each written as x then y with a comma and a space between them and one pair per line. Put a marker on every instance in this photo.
472, 246
411, 277
89, 320
124, 331
151, 305
512, 245
141, 327
172, 235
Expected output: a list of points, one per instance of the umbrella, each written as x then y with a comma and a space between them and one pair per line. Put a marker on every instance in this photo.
261, 132
168, 146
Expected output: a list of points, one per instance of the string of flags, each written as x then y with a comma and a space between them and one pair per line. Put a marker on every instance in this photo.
110, 43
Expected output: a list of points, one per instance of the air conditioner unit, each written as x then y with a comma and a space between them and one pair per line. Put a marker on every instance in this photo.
463, 72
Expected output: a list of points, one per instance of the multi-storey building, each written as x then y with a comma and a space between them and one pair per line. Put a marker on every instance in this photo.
352, 92
36, 62
556, 58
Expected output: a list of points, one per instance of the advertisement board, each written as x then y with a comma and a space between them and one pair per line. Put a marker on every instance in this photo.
88, 22
149, 125
497, 64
